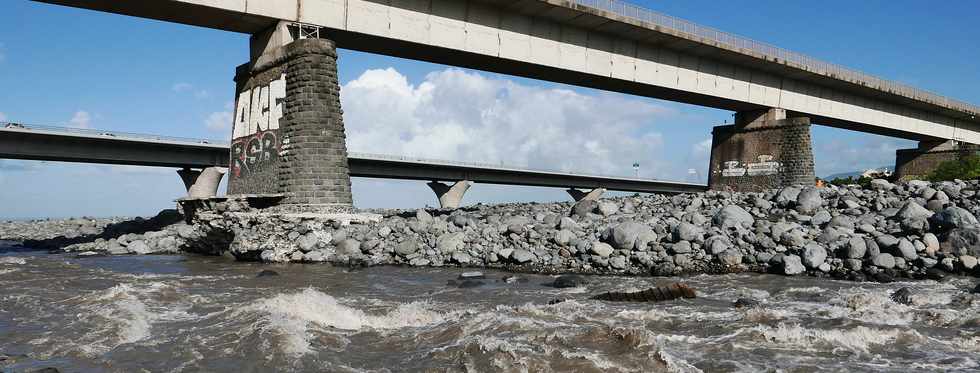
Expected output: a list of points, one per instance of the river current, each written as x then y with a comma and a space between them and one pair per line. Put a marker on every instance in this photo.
209, 314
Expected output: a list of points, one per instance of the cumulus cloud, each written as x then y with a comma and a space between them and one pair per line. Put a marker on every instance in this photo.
459, 115
219, 121
81, 119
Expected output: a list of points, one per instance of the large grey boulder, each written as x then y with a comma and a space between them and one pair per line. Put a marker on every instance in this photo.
564, 237
730, 258
961, 241
953, 217
881, 184
607, 208
814, 255
787, 196
912, 210
906, 249
631, 235
602, 249
884, 260
808, 201
732, 216
139, 247
521, 256
407, 247
584, 207
450, 242
856, 248
792, 265
686, 232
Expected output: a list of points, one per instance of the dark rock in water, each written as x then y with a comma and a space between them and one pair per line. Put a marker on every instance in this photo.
935, 274
46, 370
569, 281
470, 284
556, 301
903, 296
883, 278
857, 276
657, 294
472, 275
976, 290
267, 273
746, 302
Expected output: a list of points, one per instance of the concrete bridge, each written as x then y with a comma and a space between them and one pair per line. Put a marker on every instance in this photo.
288, 108
47, 143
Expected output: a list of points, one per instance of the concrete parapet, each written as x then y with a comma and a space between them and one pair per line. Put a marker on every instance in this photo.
579, 195
450, 196
762, 150
919, 162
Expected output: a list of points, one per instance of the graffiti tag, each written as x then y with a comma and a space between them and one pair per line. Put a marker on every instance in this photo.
248, 154
259, 109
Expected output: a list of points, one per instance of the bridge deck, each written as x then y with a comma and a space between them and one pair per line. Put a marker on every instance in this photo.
105, 147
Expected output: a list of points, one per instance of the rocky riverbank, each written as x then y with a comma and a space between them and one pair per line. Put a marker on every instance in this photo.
912, 229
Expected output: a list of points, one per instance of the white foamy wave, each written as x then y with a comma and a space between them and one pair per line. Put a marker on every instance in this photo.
12, 260
858, 339
293, 315
675, 364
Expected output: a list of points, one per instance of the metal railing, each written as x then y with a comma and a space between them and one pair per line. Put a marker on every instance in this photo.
110, 134
361, 155
742, 44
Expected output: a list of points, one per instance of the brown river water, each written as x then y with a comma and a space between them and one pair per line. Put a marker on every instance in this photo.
207, 314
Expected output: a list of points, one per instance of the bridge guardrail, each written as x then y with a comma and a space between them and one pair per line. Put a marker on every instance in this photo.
738, 43
118, 134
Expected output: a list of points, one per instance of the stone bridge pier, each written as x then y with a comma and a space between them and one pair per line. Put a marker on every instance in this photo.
763, 149
288, 138
920, 162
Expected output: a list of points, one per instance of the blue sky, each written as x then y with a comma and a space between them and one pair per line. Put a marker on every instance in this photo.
70, 67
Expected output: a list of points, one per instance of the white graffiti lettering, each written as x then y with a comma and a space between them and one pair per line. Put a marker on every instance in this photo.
259, 109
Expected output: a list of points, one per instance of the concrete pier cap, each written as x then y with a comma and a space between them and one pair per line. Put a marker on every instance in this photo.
450, 196
579, 195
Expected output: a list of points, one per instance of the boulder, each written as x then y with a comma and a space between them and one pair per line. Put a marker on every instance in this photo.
601, 249
793, 265
521, 256
407, 247
962, 241
808, 201
953, 217
884, 260
814, 255
631, 235
732, 216
686, 232
856, 248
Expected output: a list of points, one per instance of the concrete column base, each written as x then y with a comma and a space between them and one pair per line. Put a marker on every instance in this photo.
202, 184
762, 150
450, 196
579, 195
911, 164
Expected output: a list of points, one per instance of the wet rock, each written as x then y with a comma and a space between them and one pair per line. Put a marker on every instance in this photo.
470, 283
569, 281
556, 301
906, 249
657, 294
902, 296
935, 274
793, 265
731, 258
976, 290
267, 273
882, 277
746, 303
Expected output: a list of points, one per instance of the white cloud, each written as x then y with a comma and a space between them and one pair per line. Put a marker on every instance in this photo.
81, 119
459, 115
182, 87
219, 121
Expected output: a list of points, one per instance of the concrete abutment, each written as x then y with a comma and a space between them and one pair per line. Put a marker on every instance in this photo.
918, 163
763, 149
203, 183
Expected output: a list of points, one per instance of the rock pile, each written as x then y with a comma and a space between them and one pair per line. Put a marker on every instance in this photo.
909, 229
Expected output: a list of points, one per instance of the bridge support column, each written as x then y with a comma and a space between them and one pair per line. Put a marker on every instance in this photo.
579, 195
917, 163
288, 135
763, 149
201, 184
450, 196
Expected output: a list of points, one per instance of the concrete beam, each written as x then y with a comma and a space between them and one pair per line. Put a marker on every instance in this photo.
450, 196
579, 195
